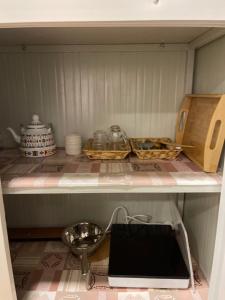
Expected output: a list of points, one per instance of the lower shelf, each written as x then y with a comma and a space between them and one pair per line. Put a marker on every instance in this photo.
46, 270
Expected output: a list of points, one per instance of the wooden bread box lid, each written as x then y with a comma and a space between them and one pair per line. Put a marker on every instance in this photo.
201, 123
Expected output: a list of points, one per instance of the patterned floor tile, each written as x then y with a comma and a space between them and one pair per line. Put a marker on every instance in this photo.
34, 249
21, 168
14, 250
39, 296
56, 247
72, 262
79, 296
134, 296
100, 281
147, 167
100, 267
21, 279
115, 168
53, 261
78, 179
26, 263
71, 281
43, 280
49, 168
88, 167
20, 294
47, 271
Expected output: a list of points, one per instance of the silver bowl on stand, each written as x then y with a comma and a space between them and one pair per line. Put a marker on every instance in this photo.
83, 239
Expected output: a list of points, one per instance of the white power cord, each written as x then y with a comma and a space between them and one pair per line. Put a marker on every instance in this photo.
136, 218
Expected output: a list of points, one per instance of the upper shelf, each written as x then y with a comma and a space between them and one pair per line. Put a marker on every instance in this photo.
68, 174
99, 35
34, 13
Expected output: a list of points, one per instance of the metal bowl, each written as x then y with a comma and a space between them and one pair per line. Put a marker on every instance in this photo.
83, 239
83, 235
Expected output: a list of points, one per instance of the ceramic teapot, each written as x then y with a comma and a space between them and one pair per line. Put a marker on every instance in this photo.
36, 139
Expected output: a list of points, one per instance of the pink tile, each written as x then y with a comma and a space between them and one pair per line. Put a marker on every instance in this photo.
44, 280
53, 261
55, 281
33, 280
70, 168
181, 167
6, 160
21, 168
56, 247
64, 280
194, 178
72, 262
21, 279
193, 166
95, 167
29, 160
38, 295
203, 293
167, 167
34, 180
90, 295
14, 153
147, 167
151, 178
114, 179
217, 177
88, 167
100, 282
115, 168
140, 178
34, 249
50, 168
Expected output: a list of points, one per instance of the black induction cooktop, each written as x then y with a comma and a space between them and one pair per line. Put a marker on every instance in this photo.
145, 251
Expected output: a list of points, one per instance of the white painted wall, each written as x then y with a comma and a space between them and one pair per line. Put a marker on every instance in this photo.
61, 210
200, 218
24, 11
209, 68
84, 88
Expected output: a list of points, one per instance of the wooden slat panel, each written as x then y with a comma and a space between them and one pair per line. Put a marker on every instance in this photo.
83, 89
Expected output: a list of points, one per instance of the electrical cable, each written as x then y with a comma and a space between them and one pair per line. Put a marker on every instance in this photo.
141, 219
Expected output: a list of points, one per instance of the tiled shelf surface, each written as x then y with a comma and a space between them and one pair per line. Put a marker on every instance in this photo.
48, 271
68, 174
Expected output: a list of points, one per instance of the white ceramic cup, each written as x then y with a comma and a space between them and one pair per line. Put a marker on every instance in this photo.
73, 144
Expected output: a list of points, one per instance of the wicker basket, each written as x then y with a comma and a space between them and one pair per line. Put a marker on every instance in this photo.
163, 153
106, 154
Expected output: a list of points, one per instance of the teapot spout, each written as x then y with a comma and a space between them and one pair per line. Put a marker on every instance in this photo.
15, 136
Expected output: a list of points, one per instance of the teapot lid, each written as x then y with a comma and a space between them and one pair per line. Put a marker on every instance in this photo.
36, 123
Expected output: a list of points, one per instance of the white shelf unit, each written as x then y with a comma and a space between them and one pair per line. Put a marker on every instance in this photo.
65, 76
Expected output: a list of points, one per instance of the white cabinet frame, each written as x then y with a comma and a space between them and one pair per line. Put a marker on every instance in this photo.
217, 287
7, 286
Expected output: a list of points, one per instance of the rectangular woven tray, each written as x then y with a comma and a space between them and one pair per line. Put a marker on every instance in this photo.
164, 153
106, 154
